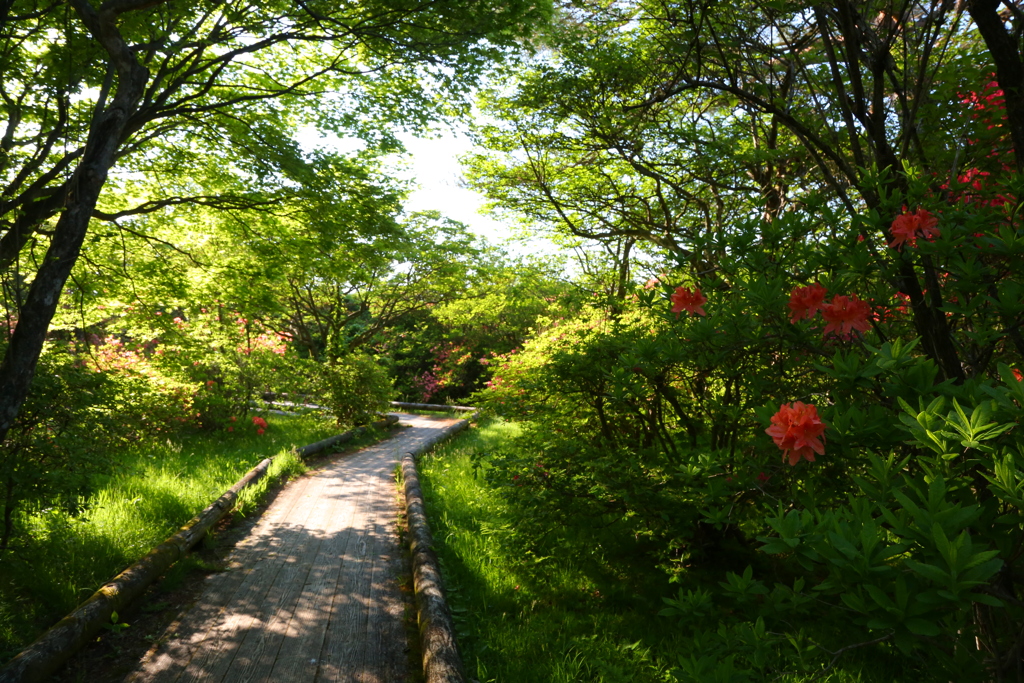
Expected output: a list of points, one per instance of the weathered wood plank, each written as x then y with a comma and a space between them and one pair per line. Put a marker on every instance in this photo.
315, 594
188, 635
350, 625
259, 632
385, 650
244, 614
308, 625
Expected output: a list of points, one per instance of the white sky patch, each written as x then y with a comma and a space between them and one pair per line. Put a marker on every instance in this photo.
434, 168
310, 138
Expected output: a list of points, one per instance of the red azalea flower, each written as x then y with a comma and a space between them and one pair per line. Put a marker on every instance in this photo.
1018, 375
906, 226
260, 431
798, 431
259, 422
845, 314
804, 302
685, 300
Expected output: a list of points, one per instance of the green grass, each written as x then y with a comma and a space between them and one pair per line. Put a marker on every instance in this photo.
526, 618
584, 610
63, 559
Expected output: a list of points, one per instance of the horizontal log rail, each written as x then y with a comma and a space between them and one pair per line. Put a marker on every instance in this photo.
441, 660
40, 659
431, 407
320, 446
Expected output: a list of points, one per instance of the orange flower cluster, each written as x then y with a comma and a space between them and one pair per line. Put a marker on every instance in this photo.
805, 302
690, 301
260, 424
798, 431
844, 314
907, 227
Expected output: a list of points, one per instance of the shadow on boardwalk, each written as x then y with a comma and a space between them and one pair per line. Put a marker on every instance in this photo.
312, 593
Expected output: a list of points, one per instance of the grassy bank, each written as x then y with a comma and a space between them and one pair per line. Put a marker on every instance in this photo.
527, 618
582, 605
61, 559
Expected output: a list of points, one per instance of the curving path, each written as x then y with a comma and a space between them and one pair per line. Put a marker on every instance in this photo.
311, 594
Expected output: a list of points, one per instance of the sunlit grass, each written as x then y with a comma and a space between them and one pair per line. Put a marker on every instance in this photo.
523, 618
159, 487
586, 611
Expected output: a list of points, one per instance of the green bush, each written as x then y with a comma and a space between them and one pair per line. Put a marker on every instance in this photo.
355, 388
72, 427
893, 524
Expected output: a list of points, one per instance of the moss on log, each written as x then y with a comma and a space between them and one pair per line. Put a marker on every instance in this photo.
441, 660
51, 649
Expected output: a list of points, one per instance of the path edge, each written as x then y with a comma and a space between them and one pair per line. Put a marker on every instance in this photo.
62, 640
432, 407
441, 660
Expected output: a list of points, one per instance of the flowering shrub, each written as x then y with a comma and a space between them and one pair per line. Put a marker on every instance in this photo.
669, 427
907, 227
260, 424
844, 315
683, 299
71, 428
798, 431
805, 302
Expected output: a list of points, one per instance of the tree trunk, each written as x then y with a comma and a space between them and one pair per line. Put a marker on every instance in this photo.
1005, 52
105, 137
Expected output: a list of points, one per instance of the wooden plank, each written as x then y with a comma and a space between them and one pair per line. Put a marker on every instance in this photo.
384, 651
285, 640
315, 595
249, 626
350, 626
288, 546
342, 577
188, 636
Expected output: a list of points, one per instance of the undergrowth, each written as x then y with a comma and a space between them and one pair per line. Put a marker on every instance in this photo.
523, 617
62, 558
582, 605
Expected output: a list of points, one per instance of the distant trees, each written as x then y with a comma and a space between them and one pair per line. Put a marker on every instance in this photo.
197, 104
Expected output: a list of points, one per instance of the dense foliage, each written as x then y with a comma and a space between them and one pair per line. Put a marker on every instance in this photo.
194, 214
787, 369
809, 414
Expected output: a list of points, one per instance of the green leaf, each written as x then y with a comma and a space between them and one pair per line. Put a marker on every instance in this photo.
921, 627
929, 571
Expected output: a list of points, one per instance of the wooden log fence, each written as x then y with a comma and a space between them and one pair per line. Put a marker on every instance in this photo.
431, 407
441, 660
40, 659
320, 446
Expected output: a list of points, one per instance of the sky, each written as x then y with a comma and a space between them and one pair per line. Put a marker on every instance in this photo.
434, 167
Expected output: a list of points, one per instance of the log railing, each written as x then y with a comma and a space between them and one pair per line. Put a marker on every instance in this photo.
40, 659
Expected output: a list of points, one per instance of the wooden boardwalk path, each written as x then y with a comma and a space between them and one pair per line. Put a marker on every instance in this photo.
311, 595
